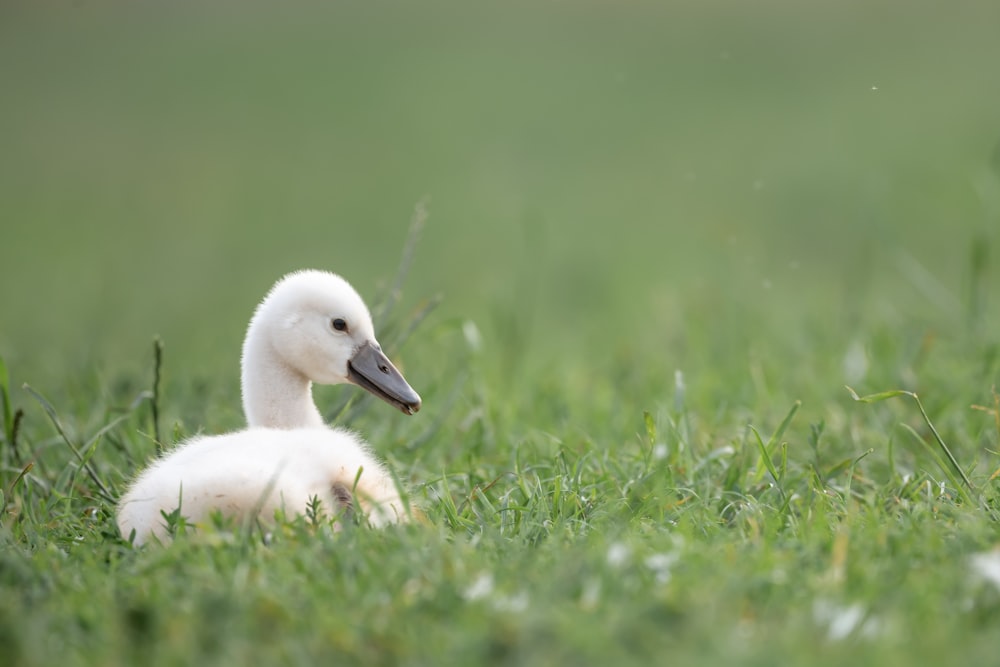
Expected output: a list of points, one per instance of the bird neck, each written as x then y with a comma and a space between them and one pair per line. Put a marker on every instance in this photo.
275, 395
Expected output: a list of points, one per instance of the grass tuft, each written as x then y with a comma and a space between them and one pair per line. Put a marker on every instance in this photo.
955, 467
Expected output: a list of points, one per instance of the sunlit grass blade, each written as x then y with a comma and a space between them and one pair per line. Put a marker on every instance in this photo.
881, 396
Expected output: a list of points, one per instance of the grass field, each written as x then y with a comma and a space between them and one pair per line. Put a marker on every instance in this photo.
664, 237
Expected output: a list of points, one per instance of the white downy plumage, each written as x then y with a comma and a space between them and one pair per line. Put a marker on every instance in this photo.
311, 327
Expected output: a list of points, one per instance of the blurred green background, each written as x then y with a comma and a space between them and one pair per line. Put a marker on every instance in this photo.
610, 184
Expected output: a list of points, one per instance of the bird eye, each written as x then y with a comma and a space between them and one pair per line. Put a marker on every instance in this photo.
338, 324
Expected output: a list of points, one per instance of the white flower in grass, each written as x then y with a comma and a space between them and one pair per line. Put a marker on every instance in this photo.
987, 566
618, 554
843, 621
480, 588
514, 604
483, 588
472, 336
660, 565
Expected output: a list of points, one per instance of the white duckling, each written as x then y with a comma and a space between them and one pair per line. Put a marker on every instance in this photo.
311, 327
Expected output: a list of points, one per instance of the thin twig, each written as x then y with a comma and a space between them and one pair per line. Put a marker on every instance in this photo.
155, 403
417, 221
18, 416
425, 309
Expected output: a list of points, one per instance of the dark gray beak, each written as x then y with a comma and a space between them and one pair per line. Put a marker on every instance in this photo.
372, 371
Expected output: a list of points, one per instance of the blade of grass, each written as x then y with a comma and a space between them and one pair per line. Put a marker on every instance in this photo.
775, 437
8, 419
881, 396
874, 398
995, 410
952, 479
11, 422
57, 423
784, 424
416, 319
650, 430
5, 497
767, 461
850, 473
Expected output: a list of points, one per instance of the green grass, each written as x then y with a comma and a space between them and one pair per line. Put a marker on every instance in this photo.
662, 241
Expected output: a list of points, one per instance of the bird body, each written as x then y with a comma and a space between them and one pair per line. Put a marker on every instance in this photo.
259, 471
311, 327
